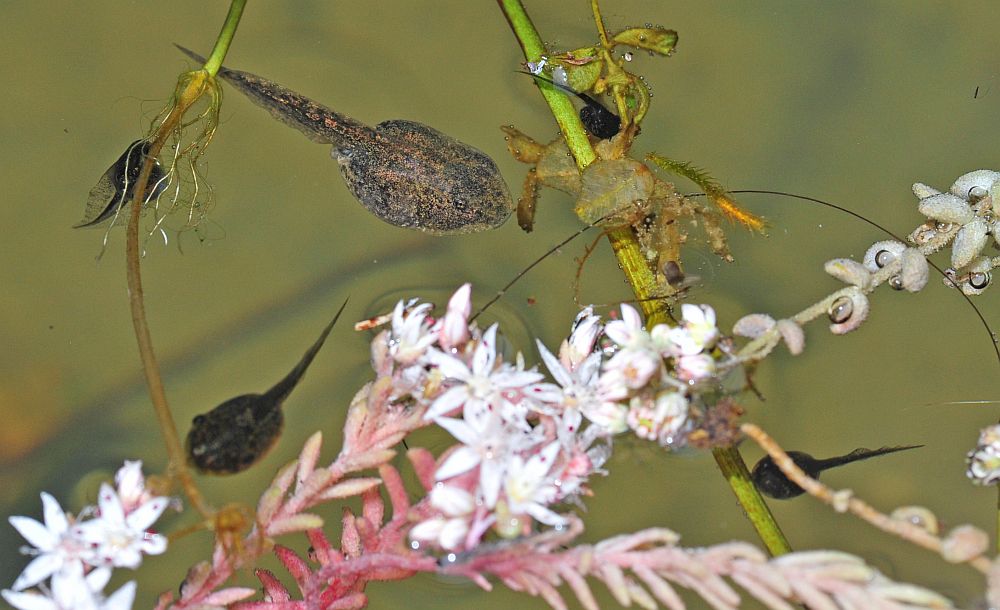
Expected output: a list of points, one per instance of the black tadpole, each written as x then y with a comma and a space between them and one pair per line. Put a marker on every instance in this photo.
773, 483
237, 433
599, 121
116, 187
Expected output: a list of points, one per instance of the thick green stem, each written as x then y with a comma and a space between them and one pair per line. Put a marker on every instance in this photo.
735, 470
634, 264
225, 38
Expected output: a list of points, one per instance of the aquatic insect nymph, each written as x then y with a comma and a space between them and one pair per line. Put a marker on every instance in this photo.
406, 173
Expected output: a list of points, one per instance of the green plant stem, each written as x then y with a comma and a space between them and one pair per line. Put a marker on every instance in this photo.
225, 38
194, 89
735, 470
634, 265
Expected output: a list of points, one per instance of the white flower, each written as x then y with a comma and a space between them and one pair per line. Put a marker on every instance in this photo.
55, 548
631, 367
454, 327
486, 444
71, 590
695, 367
628, 332
661, 420
528, 488
131, 485
481, 384
120, 539
580, 344
448, 531
581, 391
410, 335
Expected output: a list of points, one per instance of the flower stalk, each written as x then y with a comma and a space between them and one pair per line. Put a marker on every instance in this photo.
633, 264
191, 87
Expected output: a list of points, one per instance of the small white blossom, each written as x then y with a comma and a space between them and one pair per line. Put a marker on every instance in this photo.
411, 335
480, 384
528, 488
70, 589
628, 332
120, 539
581, 391
695, 367
486, 444
660, 421
54, 547
454, 327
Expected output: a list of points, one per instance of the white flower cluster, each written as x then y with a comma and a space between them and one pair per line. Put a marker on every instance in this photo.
74, 556
526, 444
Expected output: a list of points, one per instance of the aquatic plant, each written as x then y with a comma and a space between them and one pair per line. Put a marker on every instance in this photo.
499, 503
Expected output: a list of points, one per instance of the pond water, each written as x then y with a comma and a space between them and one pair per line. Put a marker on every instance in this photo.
851, 102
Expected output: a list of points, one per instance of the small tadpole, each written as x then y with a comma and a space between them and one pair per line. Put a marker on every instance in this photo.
772, 482
234, 435
116, 187
599, 121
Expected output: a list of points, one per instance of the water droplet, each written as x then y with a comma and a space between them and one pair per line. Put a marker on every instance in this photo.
896, 283
627, 55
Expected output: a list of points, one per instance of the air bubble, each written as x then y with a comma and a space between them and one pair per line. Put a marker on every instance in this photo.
841, 310
883, 258
979, 280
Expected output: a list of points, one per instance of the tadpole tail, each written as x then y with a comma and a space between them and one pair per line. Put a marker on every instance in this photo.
283, 388
861, 454
318, 122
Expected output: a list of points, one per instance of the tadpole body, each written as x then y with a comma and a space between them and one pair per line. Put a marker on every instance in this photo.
406, 173
598, 120
234, 435
772, 482
116, 187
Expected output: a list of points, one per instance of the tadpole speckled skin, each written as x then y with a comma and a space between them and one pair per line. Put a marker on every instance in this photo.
773, 483
406, 173
237, 433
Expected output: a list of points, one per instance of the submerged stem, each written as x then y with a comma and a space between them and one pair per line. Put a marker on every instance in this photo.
635, 266
196, 85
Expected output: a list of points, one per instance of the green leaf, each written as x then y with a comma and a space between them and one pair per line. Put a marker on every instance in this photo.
658, 40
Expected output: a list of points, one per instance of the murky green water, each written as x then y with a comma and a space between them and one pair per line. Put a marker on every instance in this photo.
851, 102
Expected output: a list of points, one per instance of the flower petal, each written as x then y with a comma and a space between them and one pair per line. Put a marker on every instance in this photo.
461, 460
37, 570
147, 513
34, 532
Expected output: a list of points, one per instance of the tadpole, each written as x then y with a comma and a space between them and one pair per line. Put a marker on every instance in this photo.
773, 483
237, 433
406, 173
598, 120
116, 187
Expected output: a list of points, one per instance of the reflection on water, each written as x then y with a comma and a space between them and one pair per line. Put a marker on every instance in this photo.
846, 102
